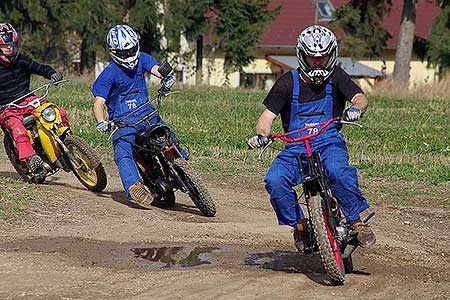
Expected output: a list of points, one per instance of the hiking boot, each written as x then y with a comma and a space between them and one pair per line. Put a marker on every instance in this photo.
34, 162
302, 238
365, 236
140, 195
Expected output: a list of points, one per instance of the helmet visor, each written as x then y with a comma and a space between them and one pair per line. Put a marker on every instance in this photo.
7, 37
316, 62
125, 53
10, 49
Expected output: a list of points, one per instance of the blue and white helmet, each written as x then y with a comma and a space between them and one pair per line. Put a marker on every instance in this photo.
317, 41
123, 44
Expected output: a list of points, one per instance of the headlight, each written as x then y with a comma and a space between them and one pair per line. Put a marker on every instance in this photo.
49, 114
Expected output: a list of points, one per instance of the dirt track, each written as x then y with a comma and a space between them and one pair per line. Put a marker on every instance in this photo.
79, 245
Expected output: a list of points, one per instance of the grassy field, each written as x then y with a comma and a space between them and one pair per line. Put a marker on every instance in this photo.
402, 153
407, 139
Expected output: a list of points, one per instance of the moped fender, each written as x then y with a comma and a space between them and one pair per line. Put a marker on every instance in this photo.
49, 144
171, 153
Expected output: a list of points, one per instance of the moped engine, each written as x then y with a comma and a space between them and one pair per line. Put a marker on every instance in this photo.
155, 138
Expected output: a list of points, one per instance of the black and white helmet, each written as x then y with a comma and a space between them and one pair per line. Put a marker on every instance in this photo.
317, 41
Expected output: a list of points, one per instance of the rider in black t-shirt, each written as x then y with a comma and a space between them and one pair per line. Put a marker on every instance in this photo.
315, 92
279, 98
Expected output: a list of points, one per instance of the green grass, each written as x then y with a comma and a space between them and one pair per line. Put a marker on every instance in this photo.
404, 147
15, 198
407, 139
404, 138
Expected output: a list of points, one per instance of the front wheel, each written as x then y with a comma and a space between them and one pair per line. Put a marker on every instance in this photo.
196, 188
91, 172
328, 246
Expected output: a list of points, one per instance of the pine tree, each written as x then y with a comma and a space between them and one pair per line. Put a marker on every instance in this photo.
438, 52
362, 23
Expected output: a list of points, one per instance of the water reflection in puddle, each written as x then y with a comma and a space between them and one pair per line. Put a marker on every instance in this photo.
183, 257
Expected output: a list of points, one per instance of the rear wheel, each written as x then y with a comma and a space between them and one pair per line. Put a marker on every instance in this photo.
328, 246
91, 172
20, 167
167, 200
196, 188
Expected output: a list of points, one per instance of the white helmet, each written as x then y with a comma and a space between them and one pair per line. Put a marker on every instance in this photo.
123, 44
317, 41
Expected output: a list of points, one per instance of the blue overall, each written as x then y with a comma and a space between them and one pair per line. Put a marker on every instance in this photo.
284, 172
124, 91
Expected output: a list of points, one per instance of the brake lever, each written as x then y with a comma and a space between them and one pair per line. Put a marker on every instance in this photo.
112, 128
351, 123
170, 93
264, 149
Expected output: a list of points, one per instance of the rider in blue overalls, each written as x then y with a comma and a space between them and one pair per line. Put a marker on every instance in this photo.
122, 88
316, 67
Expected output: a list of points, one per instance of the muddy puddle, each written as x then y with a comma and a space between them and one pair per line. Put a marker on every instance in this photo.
93, 253
182, 257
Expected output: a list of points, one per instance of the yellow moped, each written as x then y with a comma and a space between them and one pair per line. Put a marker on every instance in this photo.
55, 144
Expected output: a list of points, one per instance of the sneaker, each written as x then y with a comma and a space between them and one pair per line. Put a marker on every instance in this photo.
140, 195
365, 236
34, 162
302, 238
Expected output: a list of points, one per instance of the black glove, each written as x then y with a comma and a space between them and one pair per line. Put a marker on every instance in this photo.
55, 77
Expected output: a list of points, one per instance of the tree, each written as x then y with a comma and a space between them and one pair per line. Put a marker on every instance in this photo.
362, 23
144, 16
239, 27
235, 26
91, 19
405, 43
189, 18
438, 52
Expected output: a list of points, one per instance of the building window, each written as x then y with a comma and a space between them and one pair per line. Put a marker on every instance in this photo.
325, 10
247, 80
257, 81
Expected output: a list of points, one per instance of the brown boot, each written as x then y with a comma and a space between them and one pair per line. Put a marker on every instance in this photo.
140, 195
302, 239
365, 236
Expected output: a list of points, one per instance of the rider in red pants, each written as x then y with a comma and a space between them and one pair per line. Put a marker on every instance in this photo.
15, 73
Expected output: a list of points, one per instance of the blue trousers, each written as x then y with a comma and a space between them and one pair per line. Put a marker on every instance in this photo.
284, 174
123, 142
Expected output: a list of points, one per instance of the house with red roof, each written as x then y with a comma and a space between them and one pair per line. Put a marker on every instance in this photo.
276, 51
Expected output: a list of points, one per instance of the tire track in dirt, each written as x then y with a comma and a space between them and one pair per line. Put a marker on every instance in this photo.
78, 245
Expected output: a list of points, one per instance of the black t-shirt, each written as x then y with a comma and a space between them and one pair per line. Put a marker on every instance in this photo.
279, 98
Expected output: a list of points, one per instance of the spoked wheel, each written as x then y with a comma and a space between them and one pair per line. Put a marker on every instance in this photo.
196, 188
91, 172
21, 168
328, 246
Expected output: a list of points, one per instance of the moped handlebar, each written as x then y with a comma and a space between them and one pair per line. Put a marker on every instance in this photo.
162, 92
36, 102
305, 138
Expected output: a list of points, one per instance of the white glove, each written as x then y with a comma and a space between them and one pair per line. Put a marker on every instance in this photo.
168, 82
102, 126
258, 141
352, 114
